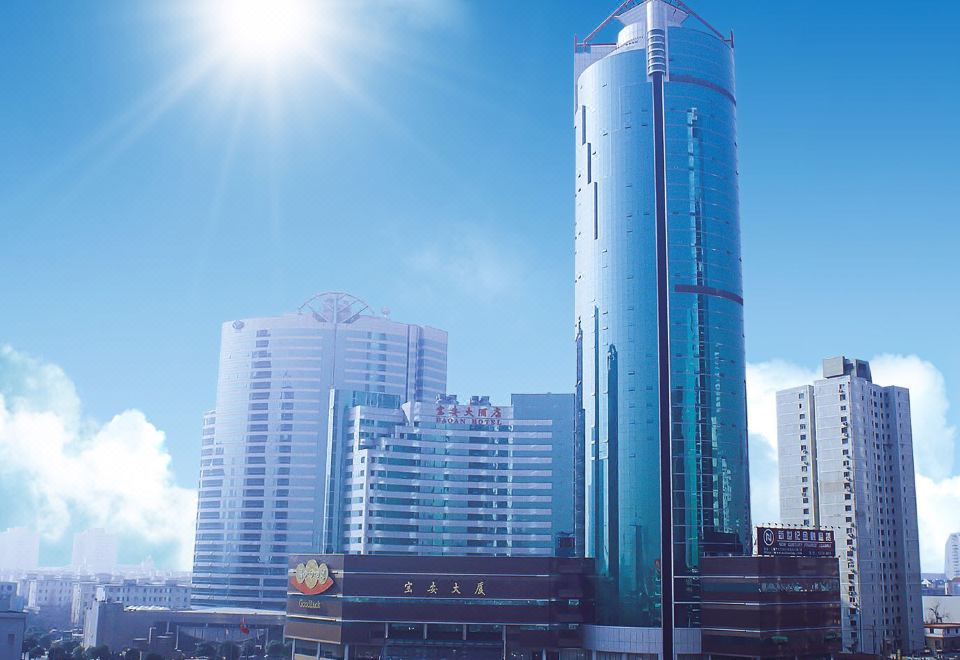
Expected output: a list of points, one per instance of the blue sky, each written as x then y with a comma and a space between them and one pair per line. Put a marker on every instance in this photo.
439, 183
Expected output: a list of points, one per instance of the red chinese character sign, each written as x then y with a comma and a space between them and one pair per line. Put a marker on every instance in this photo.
480, 416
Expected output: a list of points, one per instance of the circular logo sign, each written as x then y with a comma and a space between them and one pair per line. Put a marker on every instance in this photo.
768, 537
311, 578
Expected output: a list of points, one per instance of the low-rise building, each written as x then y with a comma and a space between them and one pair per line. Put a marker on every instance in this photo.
8, 596
49, 598
156, 629
84, 593
169, 594
12, 625
379, 606
951, 587
771, 607
942, 637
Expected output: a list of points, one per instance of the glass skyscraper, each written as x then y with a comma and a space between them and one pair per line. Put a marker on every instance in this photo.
264, 447
659, 312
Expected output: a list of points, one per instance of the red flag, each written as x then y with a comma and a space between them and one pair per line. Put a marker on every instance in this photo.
243, 626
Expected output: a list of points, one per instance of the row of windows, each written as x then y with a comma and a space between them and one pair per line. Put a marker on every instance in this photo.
450, 543
452, 529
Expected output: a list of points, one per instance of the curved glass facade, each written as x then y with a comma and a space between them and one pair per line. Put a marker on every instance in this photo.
264, 448
659, 315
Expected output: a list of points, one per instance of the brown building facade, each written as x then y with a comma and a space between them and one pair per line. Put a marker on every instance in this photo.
771, 607
389, 606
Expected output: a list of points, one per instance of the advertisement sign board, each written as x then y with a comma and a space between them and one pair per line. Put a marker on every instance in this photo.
795, 542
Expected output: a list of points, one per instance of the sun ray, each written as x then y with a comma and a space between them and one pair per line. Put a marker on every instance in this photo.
216, 204
120, 135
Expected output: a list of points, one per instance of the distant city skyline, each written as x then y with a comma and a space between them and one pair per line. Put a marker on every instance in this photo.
139, 223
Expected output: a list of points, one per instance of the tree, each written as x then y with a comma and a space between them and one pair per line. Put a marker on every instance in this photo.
77, 653
28, 643
248, 648
35, 652
154, 656
228, 650
57, 652
275, 649
130, 654
206, 650
101, 652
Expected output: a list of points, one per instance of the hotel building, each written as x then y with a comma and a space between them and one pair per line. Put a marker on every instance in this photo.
450, 477
264, 447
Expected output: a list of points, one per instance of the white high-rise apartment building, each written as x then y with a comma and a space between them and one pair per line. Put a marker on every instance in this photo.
19, 549
846, 462
951, 556
264, 447
94, 551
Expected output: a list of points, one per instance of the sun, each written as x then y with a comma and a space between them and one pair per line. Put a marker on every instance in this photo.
261, 34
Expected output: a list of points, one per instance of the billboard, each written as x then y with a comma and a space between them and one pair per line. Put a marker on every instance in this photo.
795, 542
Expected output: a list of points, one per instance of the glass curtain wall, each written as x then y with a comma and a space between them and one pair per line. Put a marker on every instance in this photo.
656, 152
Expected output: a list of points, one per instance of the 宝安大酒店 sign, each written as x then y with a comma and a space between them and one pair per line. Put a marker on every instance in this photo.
475, 416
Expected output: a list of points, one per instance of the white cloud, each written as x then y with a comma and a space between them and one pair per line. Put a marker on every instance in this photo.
938, 490
115, 475
933, 437
483, 266
763, 381
938, 512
